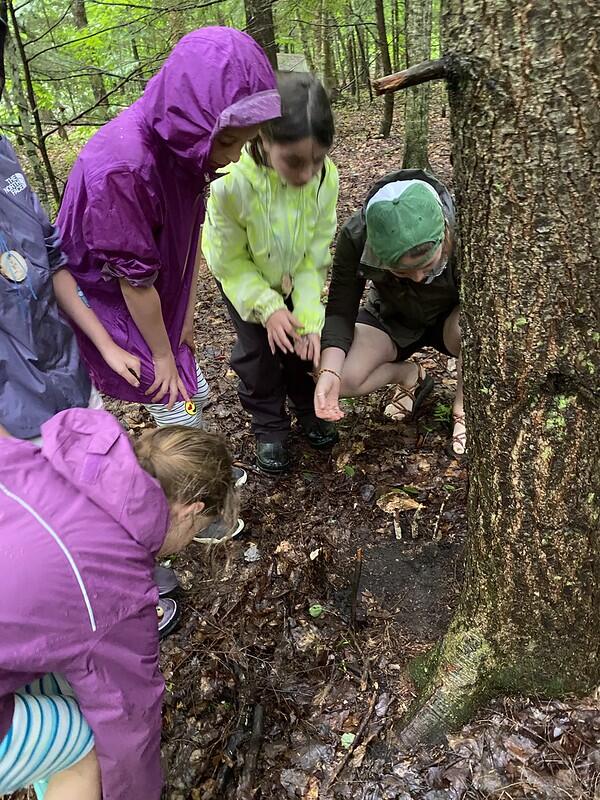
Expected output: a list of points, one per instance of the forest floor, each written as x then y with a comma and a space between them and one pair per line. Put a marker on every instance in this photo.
289, 669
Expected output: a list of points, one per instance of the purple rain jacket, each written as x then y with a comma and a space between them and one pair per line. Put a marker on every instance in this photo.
80, 525
134, 201
40, 369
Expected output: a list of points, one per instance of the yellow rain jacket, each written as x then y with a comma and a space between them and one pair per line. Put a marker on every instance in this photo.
264, 240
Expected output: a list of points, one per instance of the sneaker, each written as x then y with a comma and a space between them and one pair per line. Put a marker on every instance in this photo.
240, 476
168, 615
219, 532
165, 579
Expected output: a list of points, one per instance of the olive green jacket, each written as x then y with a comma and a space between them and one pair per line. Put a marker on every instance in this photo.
404, 308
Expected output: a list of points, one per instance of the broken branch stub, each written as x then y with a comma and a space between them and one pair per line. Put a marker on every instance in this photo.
413, 76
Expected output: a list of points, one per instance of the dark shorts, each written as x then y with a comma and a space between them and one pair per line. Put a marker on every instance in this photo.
433, 336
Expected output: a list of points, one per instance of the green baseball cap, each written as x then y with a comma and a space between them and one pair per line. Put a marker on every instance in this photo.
396, 224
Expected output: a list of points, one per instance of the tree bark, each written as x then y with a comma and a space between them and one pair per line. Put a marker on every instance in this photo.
386, 63
260, 25
417, 27
526, 138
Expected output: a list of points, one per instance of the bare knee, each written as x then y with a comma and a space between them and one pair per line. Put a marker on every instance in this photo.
80, 780
352, 380
452, 332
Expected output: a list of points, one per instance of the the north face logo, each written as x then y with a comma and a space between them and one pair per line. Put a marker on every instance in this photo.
15, 184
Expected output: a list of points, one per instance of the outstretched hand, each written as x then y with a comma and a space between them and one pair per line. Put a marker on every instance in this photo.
327, 397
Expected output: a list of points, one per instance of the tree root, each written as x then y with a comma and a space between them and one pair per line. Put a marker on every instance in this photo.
460, 682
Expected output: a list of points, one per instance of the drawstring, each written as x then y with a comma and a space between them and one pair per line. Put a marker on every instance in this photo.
276, 239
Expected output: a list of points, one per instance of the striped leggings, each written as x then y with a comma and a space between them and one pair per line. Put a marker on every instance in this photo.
48, 734
189, 414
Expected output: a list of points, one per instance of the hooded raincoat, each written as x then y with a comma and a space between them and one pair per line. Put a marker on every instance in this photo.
40, 369
134, 201
81, 523
258, 230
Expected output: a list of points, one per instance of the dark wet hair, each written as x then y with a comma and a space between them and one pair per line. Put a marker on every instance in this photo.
305, 111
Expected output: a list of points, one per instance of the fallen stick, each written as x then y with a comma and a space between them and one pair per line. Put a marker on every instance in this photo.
356, 586
245, 790
359, 734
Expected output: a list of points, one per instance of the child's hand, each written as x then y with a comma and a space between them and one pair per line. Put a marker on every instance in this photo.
282, 326
327, 397
123, 363
166, 381
308, 348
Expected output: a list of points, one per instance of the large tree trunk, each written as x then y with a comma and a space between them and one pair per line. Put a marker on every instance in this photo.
526, 133
386, 63
260, 25
417, 34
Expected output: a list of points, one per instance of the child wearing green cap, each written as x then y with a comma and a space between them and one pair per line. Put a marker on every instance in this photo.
401, 243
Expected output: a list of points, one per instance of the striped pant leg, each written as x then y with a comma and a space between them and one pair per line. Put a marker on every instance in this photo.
189, 414
48, 735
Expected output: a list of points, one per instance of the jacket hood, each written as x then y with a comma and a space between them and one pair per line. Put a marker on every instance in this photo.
214, 78
91, 450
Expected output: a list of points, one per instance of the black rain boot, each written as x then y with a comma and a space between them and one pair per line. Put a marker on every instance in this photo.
320, 433
272, 457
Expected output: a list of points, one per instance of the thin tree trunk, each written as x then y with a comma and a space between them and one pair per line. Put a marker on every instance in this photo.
417, 22
527, 185
396, 35
306, 47
24, 114
3, 35
386, 64
326, 53
96, 79
364, 61
351, 59
260, 25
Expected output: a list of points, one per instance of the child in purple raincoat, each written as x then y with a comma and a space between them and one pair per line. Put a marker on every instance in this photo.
134, 203
82, 521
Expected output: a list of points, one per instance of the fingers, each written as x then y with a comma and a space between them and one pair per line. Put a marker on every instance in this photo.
130, 376
162, 391
271, 343
173, 392
282, 341
182, 390
293, 320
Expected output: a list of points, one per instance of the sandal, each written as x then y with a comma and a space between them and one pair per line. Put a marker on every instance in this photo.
416, 393
458, 445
